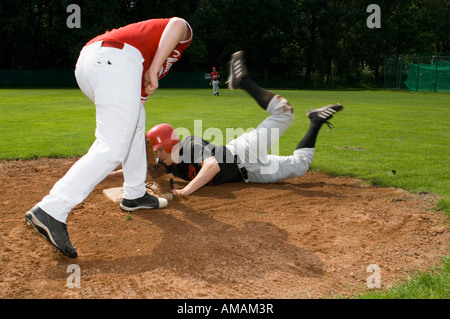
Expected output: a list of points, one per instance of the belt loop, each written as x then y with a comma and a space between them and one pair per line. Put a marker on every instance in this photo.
112, 44
242, 168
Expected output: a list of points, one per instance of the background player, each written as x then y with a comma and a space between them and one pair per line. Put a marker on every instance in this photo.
215, 81
202, 163
117, 71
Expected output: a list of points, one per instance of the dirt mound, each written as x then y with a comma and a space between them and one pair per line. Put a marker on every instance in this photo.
309, 237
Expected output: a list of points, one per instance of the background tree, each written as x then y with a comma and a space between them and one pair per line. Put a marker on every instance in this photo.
299, 43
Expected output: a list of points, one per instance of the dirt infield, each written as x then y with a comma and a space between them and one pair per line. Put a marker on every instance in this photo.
309, 237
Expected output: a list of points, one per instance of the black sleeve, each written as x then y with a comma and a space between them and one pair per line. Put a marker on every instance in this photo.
194, 150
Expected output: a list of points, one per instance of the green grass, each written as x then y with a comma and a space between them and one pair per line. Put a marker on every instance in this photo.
378, 133
434, 284
45, 123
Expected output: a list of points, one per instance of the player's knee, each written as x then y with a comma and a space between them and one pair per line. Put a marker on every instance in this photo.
280, 106
289, 115
111, 150
304, 158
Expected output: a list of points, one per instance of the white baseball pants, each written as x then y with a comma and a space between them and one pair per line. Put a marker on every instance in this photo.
111, 78
253, 147
215, 85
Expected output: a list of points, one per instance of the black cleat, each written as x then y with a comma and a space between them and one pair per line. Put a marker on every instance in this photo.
323, 114
145, 202
52, 229
237, 70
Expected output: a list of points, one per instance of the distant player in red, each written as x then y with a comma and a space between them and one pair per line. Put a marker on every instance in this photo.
117, 71
215, 81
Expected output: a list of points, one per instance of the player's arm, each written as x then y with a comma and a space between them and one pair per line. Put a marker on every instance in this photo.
210, 168
176, 30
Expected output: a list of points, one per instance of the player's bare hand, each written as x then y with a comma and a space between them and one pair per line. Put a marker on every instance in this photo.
151, 88
178, 192
151, 82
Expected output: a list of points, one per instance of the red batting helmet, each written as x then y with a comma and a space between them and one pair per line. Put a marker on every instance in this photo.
163, 135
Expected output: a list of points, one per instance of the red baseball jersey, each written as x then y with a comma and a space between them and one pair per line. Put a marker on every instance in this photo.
215, 76
145, 37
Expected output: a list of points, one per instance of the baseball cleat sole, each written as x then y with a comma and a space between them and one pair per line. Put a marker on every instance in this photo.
237, 70
67, 249
324, 113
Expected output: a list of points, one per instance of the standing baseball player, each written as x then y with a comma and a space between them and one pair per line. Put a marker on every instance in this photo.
246, 157
117, 71
215, 81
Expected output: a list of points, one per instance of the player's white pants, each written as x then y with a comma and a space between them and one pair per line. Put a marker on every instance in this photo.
215, 85
111, 78
252, 148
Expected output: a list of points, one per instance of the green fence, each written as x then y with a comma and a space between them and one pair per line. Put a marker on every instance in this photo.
66, 79
185, 80
418, 72
37, 78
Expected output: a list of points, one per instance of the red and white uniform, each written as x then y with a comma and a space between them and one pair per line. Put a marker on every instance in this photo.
110, 72
215, 81
145, 37
215, 76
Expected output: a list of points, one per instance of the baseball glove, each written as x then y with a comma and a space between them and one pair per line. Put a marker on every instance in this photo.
154, 169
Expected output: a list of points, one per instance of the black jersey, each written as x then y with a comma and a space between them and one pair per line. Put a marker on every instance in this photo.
193, 150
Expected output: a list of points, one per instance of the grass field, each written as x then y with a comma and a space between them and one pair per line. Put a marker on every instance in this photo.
397, 139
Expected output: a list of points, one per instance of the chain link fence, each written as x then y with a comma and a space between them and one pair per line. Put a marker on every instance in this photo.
429, 72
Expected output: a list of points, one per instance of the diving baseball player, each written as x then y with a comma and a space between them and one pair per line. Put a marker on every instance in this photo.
246, 157
117, 71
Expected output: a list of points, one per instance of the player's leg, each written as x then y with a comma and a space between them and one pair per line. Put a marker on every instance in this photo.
117, 99
253, 147
238, 79
215, 87
317, 118
115, 78
284, 167
135, 164
135, 194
